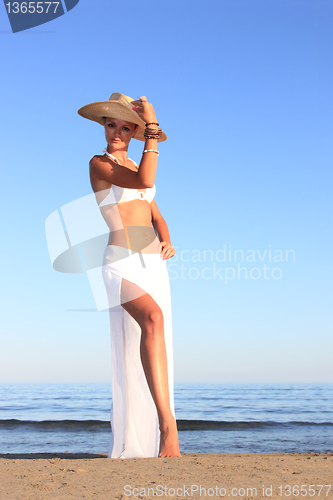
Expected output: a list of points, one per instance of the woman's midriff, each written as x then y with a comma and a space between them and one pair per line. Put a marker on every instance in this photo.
137, 233
137, 238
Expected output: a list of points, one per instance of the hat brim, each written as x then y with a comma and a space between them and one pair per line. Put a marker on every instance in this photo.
97, 111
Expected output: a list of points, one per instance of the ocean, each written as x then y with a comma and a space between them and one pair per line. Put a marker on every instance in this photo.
211, 418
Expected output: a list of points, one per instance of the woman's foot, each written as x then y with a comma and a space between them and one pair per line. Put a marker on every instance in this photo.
169, 446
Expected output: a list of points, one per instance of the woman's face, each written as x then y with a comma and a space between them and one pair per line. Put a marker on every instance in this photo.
118, 133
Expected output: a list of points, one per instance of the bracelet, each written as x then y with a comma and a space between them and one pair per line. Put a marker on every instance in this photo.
153, 129
155, 137
151, 151
152, 123
152, 133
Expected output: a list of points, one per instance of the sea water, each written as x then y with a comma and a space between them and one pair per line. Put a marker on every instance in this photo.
214, 418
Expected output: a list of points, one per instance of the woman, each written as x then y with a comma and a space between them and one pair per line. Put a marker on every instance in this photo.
136, 279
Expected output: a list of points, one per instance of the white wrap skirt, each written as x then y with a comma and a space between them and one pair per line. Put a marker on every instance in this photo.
134, 420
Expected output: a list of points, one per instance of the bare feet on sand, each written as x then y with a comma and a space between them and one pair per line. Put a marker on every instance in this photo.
169, 446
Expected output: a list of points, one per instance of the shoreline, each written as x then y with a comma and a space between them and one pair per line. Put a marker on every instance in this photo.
195, 475
90, 456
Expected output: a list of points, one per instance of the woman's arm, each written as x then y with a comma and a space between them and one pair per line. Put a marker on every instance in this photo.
148, 163
165, 247
103, 168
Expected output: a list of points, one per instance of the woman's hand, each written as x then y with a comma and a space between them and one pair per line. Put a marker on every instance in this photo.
166, 250
145, 110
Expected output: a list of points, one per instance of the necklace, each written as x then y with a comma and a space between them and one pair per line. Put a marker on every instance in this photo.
116, 159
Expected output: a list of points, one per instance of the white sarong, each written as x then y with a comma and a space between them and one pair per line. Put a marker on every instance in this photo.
134, 420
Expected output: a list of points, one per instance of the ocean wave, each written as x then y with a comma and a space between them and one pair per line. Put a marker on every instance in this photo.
183, 425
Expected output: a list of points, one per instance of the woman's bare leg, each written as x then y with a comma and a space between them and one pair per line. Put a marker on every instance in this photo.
154, 360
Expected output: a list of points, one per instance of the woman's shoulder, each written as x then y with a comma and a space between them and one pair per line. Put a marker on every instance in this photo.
98, 171
97, 159
99, 165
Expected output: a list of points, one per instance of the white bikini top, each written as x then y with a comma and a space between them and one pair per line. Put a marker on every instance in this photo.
119, 194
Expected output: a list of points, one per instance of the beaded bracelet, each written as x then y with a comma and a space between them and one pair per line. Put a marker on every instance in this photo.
151, 151
152, 133
151, 136
153, 129
152, 123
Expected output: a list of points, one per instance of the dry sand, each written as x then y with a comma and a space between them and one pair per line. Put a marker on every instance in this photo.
70, 476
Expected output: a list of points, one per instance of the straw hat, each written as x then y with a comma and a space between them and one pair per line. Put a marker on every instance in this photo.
118, 106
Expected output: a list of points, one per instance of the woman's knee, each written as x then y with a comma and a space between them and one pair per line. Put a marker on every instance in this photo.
154, 317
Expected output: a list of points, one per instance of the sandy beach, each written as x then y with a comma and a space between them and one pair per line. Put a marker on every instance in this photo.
206, 475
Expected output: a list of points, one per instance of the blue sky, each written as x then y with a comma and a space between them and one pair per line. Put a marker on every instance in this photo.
243, 90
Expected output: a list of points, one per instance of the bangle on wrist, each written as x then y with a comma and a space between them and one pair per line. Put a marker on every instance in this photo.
151, 151
152, 123
152, 133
